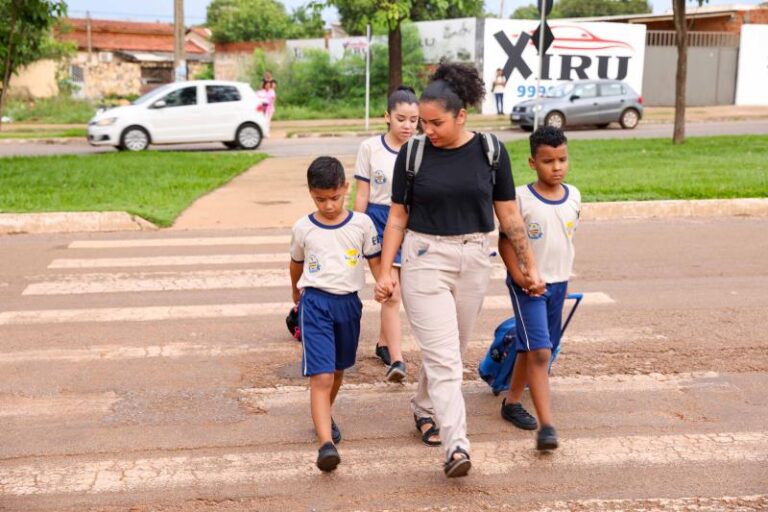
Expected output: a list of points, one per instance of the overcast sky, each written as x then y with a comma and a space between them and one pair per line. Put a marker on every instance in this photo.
194, 10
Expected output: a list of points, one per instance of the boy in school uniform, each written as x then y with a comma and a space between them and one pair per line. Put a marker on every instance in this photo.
550, 210
327, 249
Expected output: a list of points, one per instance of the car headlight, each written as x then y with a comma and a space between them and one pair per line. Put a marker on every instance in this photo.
107, 121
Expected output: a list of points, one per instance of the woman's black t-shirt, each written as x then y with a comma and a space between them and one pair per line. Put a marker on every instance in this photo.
453, 193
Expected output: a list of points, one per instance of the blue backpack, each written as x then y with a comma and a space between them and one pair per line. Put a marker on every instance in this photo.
497, 365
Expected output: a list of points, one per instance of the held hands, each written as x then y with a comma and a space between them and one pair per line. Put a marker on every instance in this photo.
534, 285
385, 286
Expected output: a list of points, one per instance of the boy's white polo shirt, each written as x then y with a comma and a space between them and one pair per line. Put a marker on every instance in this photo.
375, 165
550, 226
333, 255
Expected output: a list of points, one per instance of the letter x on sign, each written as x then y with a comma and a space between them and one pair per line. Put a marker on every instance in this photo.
514, 53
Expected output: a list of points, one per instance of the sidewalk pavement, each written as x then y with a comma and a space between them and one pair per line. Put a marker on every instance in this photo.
273, 194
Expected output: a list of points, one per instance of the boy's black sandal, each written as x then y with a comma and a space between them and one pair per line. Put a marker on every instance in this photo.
518, 416
396, 372
335, 432
457, 466
426, 436
382, 353
328, 457
546, 438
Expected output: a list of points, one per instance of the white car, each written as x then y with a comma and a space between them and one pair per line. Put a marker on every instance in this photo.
184, 112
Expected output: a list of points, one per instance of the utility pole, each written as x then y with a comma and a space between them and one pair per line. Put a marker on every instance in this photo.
179, 59
501, 10
88, 36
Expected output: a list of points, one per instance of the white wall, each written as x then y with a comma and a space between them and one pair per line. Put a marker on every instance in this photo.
752, 77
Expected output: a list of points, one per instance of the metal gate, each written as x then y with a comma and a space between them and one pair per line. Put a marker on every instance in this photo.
712, 66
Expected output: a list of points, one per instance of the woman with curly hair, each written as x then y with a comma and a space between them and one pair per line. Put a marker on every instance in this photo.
442, 218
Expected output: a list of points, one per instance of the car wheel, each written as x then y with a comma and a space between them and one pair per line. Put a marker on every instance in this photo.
603, 126
629, 118
134, 138
231, 144
248, 136
526, 128
555, 119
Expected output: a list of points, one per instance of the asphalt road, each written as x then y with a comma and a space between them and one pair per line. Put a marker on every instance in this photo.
153, 371
347, 145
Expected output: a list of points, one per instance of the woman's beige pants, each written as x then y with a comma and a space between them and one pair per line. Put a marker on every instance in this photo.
443, 279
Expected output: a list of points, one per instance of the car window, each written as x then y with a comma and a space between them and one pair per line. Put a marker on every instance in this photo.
181, 97
221, 93
585, 90
611, 90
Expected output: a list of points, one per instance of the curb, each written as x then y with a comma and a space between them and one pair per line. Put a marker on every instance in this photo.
71, 222
49, 140
750, 207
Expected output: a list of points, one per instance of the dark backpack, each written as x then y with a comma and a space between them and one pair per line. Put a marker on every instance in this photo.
414, 154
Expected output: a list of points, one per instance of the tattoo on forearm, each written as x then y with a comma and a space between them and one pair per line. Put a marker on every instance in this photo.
517, 237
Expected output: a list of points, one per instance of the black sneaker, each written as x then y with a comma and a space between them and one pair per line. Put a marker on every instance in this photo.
518, 416
396, 372
335, 432
547, 438
383, 354
328, 457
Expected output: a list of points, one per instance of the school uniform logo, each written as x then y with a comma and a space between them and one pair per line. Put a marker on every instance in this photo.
352, 256
313, 264
569, 229
379, 177
534, 231
375, 240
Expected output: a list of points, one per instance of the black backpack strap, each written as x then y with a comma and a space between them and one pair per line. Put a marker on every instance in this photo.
414, 154
492, 149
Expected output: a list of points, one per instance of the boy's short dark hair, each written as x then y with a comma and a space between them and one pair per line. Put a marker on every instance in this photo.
325, 172
547, 136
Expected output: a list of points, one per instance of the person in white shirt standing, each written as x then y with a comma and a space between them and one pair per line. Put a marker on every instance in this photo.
550, 210
373, 172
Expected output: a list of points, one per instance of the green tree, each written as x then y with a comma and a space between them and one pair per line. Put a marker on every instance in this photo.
585, 8
389, 15
306, 23
248, 20
25, 36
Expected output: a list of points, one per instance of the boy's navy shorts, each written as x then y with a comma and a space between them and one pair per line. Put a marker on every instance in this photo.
330, 329
539, 319
379, 214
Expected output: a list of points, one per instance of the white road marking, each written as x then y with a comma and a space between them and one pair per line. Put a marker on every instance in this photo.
169, 261
174, 281
157, 313
121, 352
278, 396
182, 242
74, 475
60, 405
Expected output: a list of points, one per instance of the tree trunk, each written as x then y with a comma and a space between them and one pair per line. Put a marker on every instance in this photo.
681, 40
7, 64
395, 58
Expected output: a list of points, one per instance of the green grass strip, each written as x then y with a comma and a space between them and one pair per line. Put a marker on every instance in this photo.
155, 185
652, 169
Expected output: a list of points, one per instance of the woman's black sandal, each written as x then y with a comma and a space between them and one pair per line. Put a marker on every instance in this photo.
456, 467
426, 436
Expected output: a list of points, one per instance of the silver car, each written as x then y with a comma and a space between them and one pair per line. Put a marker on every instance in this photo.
595, 102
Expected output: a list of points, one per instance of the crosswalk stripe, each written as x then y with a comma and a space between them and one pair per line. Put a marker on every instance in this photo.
500, 457
182, 242
281, 345
175, 281
121, 352
156, 313
270, 397
168, 261
265, 399
60, 405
